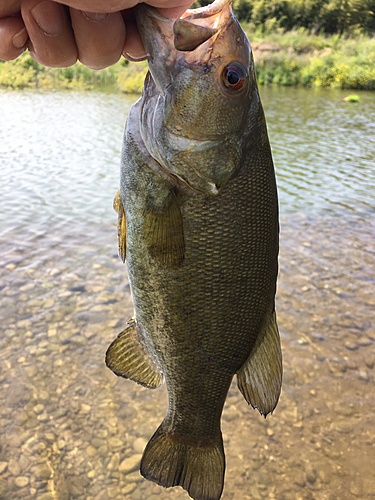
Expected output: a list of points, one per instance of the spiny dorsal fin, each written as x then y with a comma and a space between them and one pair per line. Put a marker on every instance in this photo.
174, 461
128, 357
164, 233
121, 225
259, 379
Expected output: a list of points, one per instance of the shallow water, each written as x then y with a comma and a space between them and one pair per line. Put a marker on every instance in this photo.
69, 429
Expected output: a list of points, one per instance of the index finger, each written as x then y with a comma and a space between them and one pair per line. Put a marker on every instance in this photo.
170, 9
100, 6
9, 7
13, 35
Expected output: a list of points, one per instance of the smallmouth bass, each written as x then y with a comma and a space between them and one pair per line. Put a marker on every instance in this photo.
198, 228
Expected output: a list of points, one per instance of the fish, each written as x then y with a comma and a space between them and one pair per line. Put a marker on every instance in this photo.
198, 229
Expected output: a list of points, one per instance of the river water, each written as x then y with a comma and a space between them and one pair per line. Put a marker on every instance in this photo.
69, 429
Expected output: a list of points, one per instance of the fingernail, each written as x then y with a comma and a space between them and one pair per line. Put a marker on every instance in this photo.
134, 57
96, 17
20, 39
49, 16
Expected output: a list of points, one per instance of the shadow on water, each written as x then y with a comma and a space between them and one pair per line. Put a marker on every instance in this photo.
69, 429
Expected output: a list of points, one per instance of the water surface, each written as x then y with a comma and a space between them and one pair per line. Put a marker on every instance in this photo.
69, 429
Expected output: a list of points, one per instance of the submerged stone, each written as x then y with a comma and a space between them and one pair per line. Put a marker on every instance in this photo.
130, 464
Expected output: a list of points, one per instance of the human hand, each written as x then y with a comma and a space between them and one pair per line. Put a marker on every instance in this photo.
96, 32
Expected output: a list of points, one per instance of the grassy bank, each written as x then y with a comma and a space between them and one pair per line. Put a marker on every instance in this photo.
292, 58
298, 58
24, 72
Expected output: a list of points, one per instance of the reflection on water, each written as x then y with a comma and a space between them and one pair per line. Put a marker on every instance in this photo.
324, 150
69, 429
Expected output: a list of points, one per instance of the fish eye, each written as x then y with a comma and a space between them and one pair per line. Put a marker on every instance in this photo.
234, 77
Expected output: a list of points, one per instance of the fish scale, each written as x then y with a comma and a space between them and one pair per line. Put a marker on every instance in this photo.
201, 245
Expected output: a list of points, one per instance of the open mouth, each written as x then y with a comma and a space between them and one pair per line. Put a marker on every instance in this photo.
209, 10
192, 29
196, 26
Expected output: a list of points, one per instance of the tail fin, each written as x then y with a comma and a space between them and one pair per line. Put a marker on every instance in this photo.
198, 469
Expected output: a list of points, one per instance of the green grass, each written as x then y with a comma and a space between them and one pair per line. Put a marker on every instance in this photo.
291, 58
24, 72
298, 58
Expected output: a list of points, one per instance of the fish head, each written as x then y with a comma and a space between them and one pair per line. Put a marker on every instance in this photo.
198, 94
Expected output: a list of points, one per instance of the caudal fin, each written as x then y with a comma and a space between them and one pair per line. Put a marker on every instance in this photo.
198, 469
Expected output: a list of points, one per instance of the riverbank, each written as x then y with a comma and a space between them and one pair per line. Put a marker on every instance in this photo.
298, 58
292, 58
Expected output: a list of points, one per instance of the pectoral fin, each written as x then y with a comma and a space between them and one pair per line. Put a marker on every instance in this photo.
121, 225
259, 379
164, 234
128, 357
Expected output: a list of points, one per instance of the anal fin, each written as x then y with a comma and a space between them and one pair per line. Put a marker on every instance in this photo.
260, 377
128, 357
121, 225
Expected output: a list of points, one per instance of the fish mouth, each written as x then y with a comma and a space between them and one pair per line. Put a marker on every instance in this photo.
196, 26
188, 41
163, 37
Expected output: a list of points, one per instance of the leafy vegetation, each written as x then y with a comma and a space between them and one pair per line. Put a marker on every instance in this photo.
329, 16
296, 58
130, 80
24, 72
352, 98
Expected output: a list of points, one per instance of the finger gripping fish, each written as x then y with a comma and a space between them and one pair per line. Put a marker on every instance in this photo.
198, 228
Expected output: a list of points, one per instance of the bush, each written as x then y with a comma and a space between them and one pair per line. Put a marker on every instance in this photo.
333, 72
19, 73
331, 16
25, 72
130, 80
278, 71
243, 9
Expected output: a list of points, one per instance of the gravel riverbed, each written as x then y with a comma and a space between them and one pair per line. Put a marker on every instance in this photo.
70, 429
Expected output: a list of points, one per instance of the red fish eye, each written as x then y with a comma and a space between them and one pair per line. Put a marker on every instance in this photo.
234, 77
